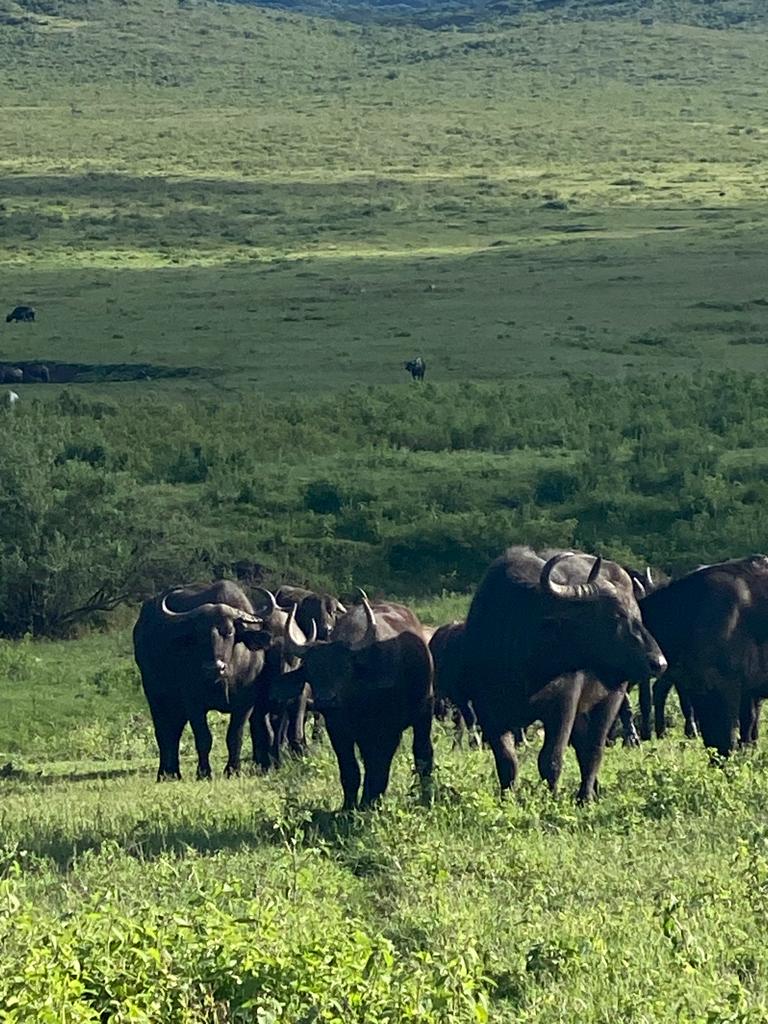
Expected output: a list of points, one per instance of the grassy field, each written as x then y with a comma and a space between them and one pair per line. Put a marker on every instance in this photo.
295, 203
252, 900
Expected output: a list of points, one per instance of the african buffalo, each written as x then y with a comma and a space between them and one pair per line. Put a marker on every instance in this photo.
37, 373
21, 314
371, 680
712, 625
201, 649
321, 609
554, 638
447, 648
416, 367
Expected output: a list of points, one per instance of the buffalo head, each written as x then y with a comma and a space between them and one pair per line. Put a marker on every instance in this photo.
210, 634
331, 667
601, 620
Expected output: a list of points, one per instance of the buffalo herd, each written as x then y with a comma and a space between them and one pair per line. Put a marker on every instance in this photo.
552, 637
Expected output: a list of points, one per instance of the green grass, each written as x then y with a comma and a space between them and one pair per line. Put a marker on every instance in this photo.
293, 203
251, 899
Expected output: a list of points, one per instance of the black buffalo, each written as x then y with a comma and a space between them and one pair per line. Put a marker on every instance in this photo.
201, 649
322, 610
447, 648
36, 373
554, 639
21, 314
416, 367
371, 681
712, 625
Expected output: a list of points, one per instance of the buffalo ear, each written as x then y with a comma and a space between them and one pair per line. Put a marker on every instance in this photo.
254, 639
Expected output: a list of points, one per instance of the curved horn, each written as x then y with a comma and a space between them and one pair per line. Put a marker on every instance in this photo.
648, 579
568, 591
192, 613
370, 629
639, 589
270, 604
206, 609
340, 609
293, 646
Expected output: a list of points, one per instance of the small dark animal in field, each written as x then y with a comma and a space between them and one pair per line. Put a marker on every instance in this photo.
39, 374
21, 314
200, 649
554, 637
712, 625
11, 375
372, 680
416, 367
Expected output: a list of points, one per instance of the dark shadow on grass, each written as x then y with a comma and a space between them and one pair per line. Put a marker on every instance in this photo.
8, 772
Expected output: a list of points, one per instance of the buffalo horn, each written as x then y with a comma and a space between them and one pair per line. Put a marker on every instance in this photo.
595, 570
207, 609
270, 605
638, 588
295, 647
648, 579
370, 629
589, 591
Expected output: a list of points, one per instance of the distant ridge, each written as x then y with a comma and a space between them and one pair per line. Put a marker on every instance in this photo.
714, 14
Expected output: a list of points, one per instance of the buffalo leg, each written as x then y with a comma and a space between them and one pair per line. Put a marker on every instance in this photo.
203, 744
469, 718
588, 739
279, 724
644, 695
749, 717
630, 737
297, 716
718, 716
558, 725
378, 754
661, 690
691, 729
235, 729
343, 744
261, 738
169, 725
503, 747
423, 753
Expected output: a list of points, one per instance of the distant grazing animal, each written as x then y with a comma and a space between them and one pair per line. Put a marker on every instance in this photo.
199, 649
9, 399
11, 375
371, 680
554, 637
37, 374
712, 625
21, 314
416, 367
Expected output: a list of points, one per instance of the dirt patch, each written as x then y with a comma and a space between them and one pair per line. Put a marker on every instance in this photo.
105, 373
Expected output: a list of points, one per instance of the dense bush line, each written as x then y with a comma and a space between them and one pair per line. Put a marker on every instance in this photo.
404, 490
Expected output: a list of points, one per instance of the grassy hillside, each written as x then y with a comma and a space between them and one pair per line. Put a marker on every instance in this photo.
290, 202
